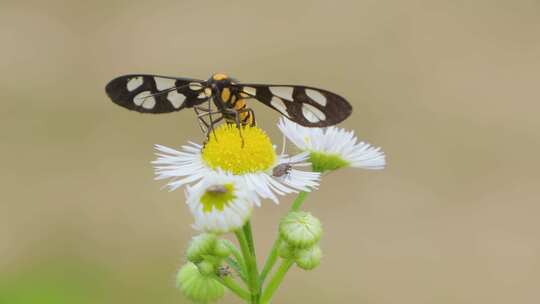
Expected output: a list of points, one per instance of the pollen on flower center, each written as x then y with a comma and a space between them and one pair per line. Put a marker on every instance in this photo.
226, 151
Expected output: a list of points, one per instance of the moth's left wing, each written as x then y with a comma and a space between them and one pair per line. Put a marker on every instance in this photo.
156, 94
307, 106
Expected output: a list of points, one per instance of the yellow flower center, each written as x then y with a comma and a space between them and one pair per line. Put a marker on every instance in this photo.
217, 197
226, 151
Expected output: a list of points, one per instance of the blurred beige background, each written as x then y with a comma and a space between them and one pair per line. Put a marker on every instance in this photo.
449, 89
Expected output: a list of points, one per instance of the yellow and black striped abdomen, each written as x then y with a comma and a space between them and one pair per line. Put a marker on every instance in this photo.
246, 115
230, 101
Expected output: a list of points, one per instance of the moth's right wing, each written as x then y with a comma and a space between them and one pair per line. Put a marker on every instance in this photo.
156, 94
307, 106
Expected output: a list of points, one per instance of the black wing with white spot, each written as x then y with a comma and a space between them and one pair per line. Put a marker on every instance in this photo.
156, 94
307, 106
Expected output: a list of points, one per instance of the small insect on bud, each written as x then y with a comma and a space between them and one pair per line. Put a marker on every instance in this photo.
200, 246
281, 170
223, 271
308, 258
300, 229
196, 286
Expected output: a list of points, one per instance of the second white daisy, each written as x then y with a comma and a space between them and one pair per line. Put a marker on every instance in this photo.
220, 203
332, 148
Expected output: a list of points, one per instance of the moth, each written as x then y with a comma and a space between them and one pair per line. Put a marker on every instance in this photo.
307, 106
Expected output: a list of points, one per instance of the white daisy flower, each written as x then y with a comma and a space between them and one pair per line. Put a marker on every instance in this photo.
254, 160
220, 203
332, 148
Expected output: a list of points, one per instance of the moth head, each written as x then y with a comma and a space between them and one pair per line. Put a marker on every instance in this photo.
220, 80
219, 76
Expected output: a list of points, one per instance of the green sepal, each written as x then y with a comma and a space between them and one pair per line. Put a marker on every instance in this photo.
322, 162
200, 246
300, 229
221, 248
206, 268
286, 251
308, 258
198, 287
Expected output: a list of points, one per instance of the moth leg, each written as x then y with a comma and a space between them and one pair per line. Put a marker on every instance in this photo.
232, 112
251, 112
239, 126
201, 109
208, 114
200, 118
202, 124
202, 112
239, 123
212, 122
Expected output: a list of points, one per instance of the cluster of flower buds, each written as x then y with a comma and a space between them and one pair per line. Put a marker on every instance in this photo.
198, 278
208, 247
301, 232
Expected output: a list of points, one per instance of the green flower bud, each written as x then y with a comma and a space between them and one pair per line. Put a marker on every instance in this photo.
300, 229
206, 268
285, 251
222, 248
200, 246
322, 162
198, 287
308, 258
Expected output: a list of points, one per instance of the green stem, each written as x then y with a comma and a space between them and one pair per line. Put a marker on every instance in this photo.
249, 237
251, 264
236, 253
236, 266
272, 258
270, 261
254, 268
275, 281
237, 256
298, 201
230, 283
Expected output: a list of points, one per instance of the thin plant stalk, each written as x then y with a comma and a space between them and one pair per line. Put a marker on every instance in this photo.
276, 281
231, 284
251, 264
